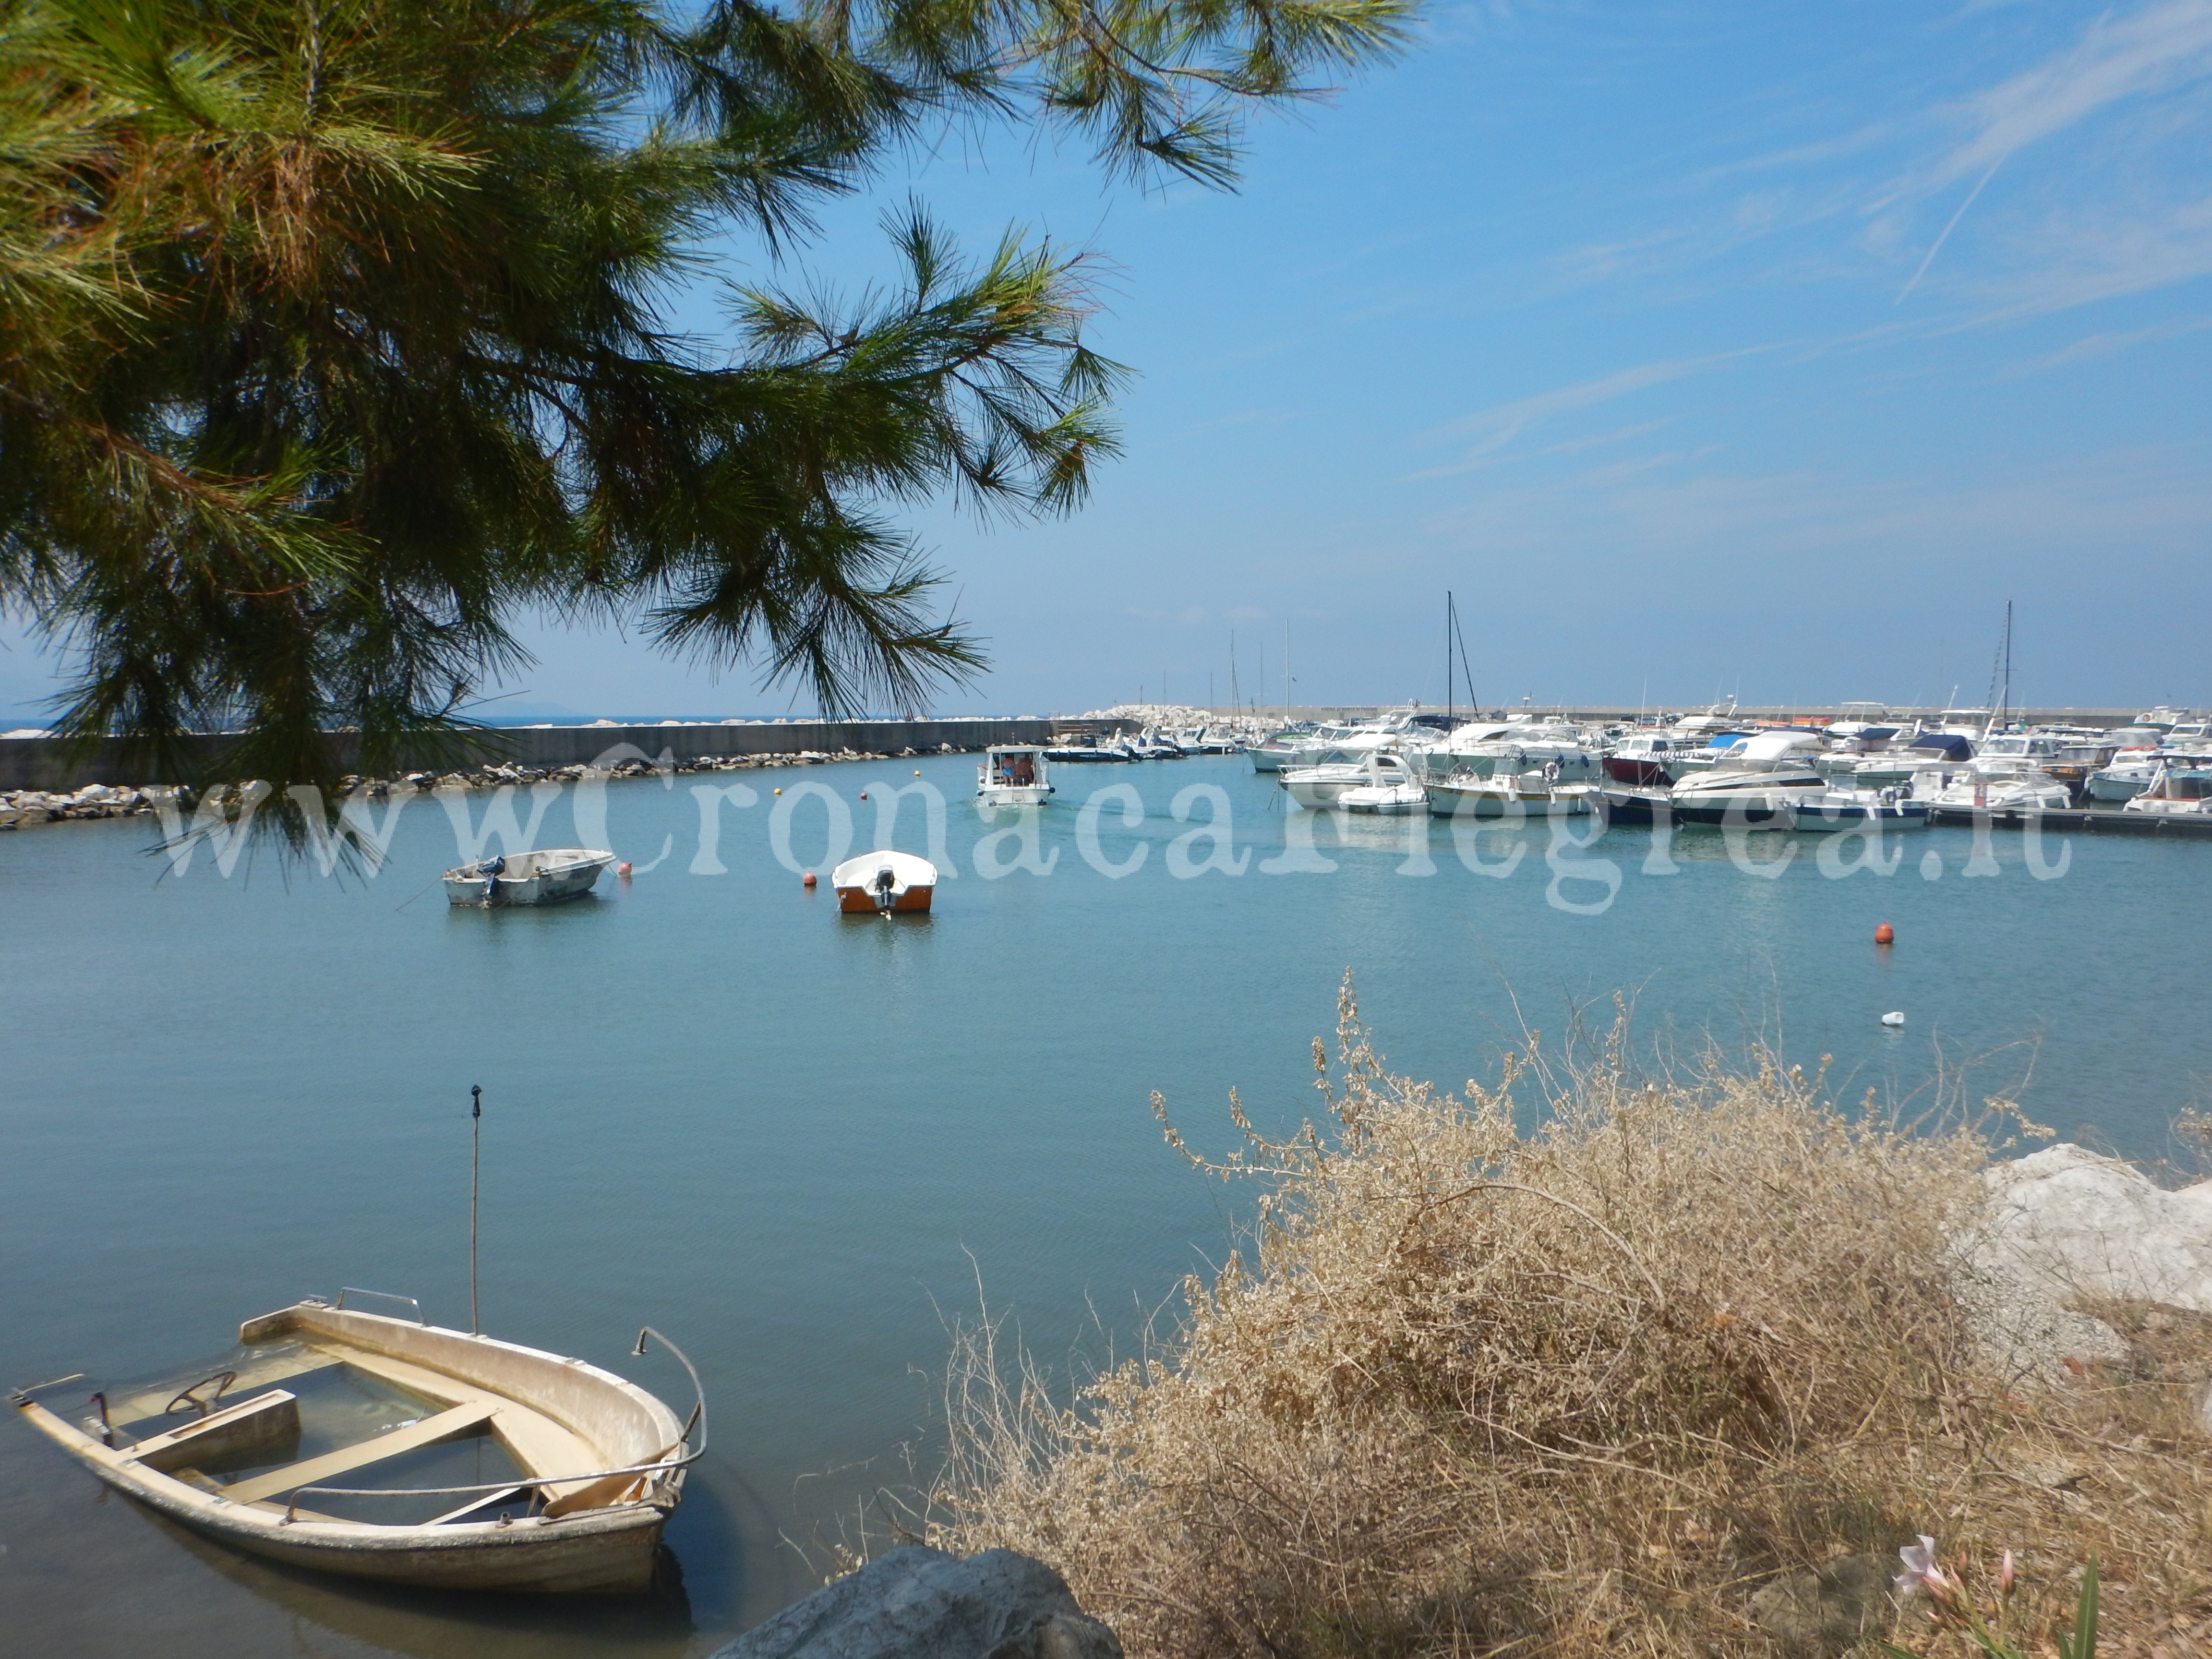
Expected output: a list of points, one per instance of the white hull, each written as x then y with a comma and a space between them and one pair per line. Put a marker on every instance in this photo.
541, 878
1018, 794
1496, 797
1387, 800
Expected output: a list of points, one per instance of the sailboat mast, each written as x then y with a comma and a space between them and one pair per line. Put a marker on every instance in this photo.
2006, 706
1449, 618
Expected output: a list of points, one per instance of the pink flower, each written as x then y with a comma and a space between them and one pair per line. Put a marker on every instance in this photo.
1921, 1572
2006, 1575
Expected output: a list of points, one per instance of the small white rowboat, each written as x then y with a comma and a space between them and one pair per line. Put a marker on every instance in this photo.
599, 1462
884, 881
541, 878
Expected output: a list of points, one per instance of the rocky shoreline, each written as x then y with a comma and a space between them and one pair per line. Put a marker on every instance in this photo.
27, 808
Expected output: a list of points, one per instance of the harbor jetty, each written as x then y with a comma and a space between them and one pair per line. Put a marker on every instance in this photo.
62, 766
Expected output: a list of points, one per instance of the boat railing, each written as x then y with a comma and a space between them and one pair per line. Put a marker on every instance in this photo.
346, 1290
531, 1483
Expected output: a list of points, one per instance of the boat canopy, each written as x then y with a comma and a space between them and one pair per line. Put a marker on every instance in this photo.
1949, 744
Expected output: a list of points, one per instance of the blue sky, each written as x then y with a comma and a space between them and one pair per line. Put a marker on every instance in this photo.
1696, 347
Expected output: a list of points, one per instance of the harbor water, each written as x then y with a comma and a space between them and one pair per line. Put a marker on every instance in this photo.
803, 1144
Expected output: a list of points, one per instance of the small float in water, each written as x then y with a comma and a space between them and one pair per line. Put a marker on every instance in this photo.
598, 1463
540, 878
883, 882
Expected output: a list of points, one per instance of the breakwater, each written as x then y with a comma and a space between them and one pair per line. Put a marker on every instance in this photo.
57, 763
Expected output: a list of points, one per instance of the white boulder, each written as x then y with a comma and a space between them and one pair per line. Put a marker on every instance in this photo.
2064, 1226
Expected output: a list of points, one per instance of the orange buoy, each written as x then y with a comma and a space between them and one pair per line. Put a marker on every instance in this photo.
807, 879
1885, 934
622, 869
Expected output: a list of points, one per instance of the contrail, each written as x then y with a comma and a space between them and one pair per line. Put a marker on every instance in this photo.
1948, 229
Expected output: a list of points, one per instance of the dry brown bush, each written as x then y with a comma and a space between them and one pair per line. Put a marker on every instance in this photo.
1581, 1391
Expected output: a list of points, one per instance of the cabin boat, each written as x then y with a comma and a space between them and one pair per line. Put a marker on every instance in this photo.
884, 882
1012, 775
1754, 788
1469, 794
1317, 787
1650, 759
540, 878
596, 1463
2178, 791
2004, 785
1087, 750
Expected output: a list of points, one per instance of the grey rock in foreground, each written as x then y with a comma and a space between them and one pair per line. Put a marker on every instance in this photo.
922, 1603
1827, 1610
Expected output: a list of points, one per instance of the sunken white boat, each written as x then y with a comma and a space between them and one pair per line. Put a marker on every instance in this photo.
594, 1464
546, 876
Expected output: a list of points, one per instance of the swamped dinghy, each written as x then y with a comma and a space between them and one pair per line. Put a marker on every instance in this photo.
598, 1462
546, 876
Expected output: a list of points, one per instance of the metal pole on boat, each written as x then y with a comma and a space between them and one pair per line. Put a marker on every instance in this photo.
476, 1160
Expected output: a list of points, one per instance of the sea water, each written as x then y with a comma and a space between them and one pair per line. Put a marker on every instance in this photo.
804, 1144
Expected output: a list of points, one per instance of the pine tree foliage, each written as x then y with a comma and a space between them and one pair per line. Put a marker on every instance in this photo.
334, 334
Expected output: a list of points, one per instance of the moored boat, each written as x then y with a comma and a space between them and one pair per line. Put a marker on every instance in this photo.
598, 1462
1390, 789
546, 876
1830, 811
2178, 791
883, 882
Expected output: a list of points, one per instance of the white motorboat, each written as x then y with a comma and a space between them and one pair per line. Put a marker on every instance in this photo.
1281, 749
596, 1463
547, 877
1755, 786
1012, 775
1390, 789
1353, 740
1086, 751
2178, 791
2128, 775
1552, 748
1901, 762
1830, 811
1468, 794
1317, 787
1986, 787
883, 882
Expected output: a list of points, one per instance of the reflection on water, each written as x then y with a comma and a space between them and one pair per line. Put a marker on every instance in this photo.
793, 1140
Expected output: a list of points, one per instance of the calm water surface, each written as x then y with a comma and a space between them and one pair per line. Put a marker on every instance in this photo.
797, 1142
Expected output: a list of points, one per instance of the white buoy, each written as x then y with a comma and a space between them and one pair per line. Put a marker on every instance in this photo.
1894, 1018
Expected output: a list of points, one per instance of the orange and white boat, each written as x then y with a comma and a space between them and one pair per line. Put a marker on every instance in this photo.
883, 882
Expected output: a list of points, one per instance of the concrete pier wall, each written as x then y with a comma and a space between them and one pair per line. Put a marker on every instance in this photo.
51, 763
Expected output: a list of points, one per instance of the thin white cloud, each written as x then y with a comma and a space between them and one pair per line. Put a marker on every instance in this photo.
2091, 347
2155, 50
1494, 428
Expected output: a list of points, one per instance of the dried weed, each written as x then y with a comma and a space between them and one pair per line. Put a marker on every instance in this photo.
1581, 1391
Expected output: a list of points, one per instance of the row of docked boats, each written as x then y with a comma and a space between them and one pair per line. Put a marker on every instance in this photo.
1714, 769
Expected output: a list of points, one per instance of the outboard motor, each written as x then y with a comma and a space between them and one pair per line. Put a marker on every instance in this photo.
884, 881
489, 870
